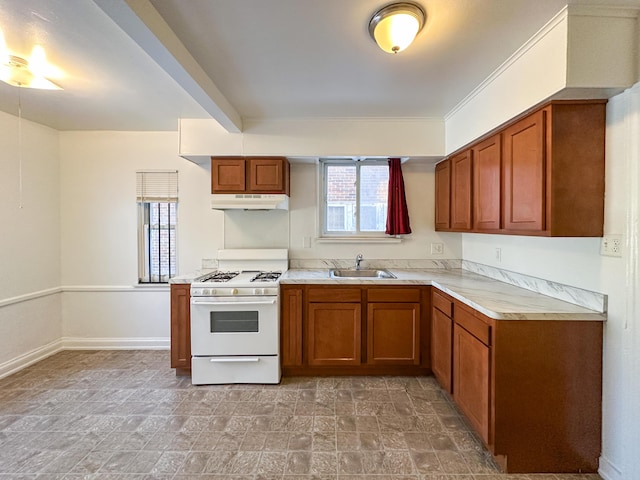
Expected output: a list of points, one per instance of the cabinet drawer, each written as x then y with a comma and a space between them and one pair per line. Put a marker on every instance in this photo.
401, 294
442, 303
473, 325
330, 294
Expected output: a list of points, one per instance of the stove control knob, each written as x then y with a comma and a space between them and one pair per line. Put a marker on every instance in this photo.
258, 291
234, 291
212, 291
206, 291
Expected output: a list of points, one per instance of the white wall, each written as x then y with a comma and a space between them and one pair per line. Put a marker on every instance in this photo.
419, 189
30, 239
99, 233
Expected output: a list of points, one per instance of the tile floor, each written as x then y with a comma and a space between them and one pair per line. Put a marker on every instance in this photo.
125, 415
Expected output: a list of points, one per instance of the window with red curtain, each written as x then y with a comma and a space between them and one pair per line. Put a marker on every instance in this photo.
397, 213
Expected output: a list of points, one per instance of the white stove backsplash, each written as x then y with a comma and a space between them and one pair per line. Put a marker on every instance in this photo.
302, 263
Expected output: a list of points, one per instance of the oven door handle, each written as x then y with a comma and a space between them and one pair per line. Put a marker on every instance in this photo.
235, 360
207, 301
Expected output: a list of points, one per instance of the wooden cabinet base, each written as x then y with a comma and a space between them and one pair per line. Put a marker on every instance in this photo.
359, 370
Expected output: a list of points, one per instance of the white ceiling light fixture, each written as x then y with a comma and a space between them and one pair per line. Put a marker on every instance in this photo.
395, 26
32, 73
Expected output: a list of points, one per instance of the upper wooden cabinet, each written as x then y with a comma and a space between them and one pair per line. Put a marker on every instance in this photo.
443, 196
461, 169
250, 175
487, 170
541, 174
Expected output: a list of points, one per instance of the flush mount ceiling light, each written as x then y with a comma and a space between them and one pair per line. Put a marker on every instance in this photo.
31, 73
395, 26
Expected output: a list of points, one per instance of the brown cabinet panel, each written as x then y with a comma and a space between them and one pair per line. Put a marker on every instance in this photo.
443, 195
393, 294
471, 379
334, 294
393, 333
474, 325
291, 323
228, 175
333, 334
487, 168
180, 325
461, 188
442, 303
441, 347
524, 174
266, 174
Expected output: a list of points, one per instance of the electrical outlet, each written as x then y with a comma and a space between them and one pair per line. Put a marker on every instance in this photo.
437, 248
611, 246
498, 254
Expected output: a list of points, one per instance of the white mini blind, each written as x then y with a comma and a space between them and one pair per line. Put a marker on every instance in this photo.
157, 186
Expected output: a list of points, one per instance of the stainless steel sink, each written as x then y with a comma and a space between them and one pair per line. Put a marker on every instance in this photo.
362, 273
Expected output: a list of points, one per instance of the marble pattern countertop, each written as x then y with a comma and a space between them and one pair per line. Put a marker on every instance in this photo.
493, 298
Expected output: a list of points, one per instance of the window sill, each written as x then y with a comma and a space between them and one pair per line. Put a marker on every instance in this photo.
358, 240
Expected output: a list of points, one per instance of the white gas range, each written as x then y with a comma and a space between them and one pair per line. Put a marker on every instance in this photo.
235, 320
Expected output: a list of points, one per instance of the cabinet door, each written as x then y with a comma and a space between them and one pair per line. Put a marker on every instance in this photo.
443, 198
524, 174
393, 333
333, 334
471, 379
266, 175
291, 326
441, 347
180, 326
461, 170
487, 165
228, 175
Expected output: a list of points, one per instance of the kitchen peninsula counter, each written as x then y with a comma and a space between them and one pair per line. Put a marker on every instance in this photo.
495, 299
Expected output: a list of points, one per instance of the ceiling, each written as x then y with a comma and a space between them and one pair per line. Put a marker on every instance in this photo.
143, 64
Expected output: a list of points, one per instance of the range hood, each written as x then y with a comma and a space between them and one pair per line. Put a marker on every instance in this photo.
249, 201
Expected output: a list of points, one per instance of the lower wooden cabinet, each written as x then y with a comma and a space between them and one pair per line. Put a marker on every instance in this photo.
291, 325
442, 340
180, 326
331, 329
333, 334
531, 389
393, 333
471, 379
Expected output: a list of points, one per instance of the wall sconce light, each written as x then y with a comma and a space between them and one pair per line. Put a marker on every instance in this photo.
31, 73
395, 26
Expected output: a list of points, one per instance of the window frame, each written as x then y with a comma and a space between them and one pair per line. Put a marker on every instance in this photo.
324, 164
156, 187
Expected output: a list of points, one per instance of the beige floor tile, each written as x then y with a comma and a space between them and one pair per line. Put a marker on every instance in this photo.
116, 415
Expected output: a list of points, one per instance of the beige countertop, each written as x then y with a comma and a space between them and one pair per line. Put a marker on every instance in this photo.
493, 298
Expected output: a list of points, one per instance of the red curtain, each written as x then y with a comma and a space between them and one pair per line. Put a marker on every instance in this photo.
397, 214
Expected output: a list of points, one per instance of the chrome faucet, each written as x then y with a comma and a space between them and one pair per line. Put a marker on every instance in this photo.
358, 260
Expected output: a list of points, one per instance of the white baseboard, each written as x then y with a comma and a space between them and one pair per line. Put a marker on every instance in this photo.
73, 343
16, 364
608, 471
133, 343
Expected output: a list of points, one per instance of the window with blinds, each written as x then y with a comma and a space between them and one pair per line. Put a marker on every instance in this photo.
157, 198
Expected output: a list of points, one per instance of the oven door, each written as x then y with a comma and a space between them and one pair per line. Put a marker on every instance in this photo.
234, 326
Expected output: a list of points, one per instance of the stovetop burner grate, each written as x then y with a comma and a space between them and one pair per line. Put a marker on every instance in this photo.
266, 277
217, 276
